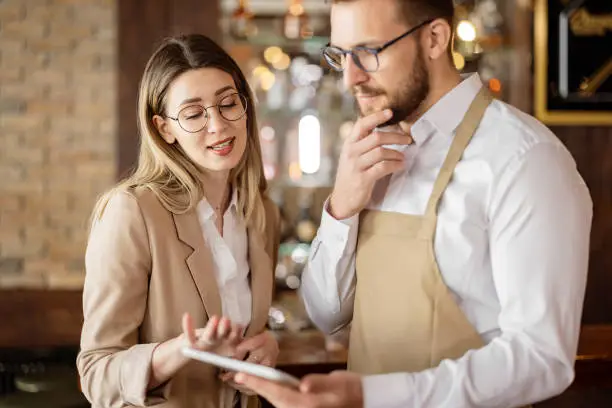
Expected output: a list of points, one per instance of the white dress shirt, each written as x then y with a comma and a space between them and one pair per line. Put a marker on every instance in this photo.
230, 259
512, 244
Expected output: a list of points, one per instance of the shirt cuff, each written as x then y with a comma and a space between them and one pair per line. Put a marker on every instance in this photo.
135, 373
389, 391
333, 230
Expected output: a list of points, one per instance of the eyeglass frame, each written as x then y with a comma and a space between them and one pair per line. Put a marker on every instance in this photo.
205, 110
373, 50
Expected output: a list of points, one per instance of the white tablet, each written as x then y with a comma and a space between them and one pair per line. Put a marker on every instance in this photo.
232, 364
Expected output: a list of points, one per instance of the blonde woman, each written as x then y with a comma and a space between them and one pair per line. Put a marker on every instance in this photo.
188, 238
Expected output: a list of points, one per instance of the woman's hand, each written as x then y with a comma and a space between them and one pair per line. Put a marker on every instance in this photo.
260, 349
218, 336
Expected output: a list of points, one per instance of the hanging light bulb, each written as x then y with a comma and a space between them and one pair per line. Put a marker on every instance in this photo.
296, 21
242, 25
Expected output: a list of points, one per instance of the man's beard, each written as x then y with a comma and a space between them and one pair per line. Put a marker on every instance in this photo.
410, 95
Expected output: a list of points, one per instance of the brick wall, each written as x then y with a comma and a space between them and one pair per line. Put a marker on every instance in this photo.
57, 134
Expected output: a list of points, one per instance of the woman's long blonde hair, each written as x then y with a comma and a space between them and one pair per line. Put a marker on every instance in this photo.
164, 168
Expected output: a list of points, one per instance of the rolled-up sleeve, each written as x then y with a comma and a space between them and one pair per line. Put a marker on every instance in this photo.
114, 368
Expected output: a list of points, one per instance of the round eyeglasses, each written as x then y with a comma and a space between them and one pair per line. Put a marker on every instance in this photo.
366, 58
194, 118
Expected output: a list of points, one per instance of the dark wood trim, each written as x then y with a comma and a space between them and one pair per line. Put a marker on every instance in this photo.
40, 318
591, 147
594, 361
142, 25
187, 16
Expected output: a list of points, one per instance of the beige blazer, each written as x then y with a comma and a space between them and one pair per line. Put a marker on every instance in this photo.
145, 267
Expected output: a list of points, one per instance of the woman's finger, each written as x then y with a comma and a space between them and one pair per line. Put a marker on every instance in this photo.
235, 335
223, 329
207, 336
188, 329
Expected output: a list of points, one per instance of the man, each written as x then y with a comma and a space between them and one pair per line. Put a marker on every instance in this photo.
459, 259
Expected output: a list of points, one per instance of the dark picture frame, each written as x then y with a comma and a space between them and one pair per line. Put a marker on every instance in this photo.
573, 62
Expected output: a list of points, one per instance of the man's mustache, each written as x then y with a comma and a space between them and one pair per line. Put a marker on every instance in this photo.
366, 91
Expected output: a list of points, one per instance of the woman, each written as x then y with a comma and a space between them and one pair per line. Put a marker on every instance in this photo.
190, 235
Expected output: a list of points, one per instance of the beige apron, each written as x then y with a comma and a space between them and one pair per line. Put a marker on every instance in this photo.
405, 318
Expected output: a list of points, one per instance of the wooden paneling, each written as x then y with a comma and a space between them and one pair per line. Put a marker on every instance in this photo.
40, 318
592, 150
142, 25
202, 16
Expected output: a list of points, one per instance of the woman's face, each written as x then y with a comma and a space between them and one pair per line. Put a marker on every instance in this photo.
207, 117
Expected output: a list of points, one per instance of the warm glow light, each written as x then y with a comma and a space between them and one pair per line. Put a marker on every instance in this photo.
495, 85
283, 63
267, 80
309, 144
273, 54
466, 31
296, 9
459, 60
259, 70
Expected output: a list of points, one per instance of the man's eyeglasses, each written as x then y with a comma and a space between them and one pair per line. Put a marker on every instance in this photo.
194, 118
365, 58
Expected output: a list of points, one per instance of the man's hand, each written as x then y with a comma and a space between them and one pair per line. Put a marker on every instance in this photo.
339, 389
362, 162
259, 349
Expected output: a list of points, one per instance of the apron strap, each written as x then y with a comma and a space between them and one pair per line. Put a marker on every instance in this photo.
463, 135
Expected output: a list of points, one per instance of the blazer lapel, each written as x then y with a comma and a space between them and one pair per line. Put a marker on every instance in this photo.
262, 281
199, 262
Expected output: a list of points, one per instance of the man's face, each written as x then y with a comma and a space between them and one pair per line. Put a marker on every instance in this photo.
401, 81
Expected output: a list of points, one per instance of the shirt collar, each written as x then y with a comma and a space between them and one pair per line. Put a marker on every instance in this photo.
206, 212
446, 114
